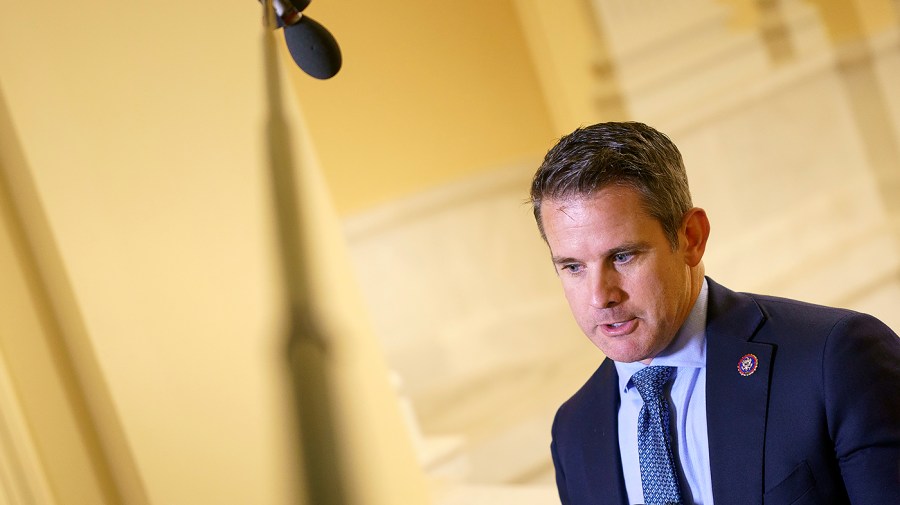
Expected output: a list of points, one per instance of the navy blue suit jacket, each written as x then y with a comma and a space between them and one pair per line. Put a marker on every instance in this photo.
818, 422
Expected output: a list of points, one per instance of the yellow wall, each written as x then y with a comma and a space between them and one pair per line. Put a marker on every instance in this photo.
142, 133
44, 394
430, 92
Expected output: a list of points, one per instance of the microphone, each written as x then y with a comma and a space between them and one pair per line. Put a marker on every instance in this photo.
311, 45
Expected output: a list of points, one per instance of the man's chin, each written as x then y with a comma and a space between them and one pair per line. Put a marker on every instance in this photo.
624, 355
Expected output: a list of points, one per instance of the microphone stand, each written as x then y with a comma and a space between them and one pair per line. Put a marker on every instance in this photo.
307, 349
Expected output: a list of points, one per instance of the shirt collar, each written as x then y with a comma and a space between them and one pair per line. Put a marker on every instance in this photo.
688, 349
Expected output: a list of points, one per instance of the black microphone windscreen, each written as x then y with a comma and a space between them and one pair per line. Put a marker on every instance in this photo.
313, 48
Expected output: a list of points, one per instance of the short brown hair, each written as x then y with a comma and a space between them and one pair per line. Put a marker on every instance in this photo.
626, 154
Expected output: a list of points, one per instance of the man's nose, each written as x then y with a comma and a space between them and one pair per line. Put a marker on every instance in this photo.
605, 289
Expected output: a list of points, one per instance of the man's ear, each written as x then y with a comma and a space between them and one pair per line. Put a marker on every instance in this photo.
695, 233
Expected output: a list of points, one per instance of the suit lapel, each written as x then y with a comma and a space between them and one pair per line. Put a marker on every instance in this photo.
736, 402
605, 465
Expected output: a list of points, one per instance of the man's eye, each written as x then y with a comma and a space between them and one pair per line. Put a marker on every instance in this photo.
623, 257
573, 269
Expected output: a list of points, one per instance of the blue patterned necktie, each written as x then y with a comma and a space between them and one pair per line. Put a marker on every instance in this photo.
659, 478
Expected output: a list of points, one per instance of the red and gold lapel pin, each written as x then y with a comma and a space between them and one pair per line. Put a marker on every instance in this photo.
747, 364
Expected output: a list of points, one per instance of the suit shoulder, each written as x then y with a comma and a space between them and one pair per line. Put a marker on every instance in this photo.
779, 304
790, 321
810, 316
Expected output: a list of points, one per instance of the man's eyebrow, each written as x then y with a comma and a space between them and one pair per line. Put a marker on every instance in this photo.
623, 248
561, 260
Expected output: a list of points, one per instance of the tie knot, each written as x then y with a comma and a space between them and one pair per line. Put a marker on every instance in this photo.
651, 380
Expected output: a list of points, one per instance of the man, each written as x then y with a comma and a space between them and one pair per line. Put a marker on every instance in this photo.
706, 395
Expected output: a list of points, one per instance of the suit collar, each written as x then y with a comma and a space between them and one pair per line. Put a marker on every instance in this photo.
733, 315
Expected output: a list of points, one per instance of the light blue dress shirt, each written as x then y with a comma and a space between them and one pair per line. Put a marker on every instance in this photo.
687, 401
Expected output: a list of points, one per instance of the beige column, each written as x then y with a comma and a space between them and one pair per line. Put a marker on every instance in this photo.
673, 58
852, 25
775, 31
575, 67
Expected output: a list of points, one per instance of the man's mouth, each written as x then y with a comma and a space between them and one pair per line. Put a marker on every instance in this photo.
619, 327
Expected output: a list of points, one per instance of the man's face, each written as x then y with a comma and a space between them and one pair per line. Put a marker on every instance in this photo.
629, 292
